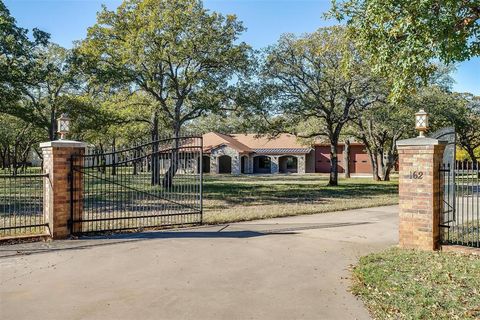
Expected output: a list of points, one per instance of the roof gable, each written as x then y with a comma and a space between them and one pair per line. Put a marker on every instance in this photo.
212, 140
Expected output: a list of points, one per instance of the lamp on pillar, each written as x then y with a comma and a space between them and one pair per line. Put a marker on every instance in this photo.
421, 122
63, 125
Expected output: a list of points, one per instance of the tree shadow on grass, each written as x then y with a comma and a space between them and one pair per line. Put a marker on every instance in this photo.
241, 194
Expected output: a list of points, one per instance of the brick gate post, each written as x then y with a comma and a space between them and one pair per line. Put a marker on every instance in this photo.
420, 192
56, 163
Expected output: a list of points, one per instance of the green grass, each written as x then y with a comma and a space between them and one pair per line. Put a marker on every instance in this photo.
241, 198
407, 284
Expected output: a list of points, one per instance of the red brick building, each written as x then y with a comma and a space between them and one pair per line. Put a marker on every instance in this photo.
359, 160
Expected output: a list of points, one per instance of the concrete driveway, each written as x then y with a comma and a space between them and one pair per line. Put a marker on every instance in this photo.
286, 268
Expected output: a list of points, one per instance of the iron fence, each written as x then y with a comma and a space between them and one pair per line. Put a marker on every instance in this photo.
21, 202
157, 184
461, 204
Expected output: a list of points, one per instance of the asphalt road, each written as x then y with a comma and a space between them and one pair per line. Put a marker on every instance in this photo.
285, 268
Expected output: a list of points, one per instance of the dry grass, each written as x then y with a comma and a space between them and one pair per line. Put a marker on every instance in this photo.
230, 199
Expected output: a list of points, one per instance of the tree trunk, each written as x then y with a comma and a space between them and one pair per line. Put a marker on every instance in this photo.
172, 170
51, 131
103, 160
155, 166
9, 157
374, 163
471, 154
136, 155
4, 158
386, 174
346, 158
15, 160
389, 165
333, 179
114, 160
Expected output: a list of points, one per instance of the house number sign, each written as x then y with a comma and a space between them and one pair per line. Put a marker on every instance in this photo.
416, 175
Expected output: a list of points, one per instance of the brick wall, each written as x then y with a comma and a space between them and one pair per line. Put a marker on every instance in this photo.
420, 193
56, 157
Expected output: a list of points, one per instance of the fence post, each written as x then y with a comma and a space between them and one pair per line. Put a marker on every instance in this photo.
420, 192
56, 163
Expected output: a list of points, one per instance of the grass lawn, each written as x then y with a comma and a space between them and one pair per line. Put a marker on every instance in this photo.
227, 198
240, 198
407, 284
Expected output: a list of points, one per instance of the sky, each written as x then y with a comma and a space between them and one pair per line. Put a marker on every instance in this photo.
265, 20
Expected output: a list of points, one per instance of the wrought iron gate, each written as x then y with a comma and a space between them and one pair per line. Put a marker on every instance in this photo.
460, 219
21, 203
157, 184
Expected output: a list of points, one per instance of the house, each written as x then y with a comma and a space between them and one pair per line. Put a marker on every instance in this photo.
250, 153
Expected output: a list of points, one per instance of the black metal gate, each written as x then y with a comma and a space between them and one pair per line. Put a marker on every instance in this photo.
460, 219
157, 184
21, 202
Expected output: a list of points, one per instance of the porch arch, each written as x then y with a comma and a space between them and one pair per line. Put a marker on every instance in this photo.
262, 164
243, 164
205, 164
288, 164
224, 164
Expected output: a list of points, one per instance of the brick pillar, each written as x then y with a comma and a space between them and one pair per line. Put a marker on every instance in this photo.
420, 192
56, 189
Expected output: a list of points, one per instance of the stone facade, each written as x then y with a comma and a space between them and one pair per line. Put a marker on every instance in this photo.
301, 164
56, 157
225, 151
420, 193
249, 161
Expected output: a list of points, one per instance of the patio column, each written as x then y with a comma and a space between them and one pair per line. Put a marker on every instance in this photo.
274, 164
213, 164
250, 164
236, 168
301, 164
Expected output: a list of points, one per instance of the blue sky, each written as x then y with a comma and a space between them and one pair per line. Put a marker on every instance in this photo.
266, 20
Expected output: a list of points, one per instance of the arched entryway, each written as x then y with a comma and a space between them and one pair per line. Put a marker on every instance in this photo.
262, 164
206, 164
243, 164
288, 164
224, 164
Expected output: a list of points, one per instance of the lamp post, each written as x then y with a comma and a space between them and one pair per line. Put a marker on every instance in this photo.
421, 122
63, 125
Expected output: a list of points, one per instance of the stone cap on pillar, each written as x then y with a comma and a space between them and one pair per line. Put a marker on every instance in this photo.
420, 141
63, 144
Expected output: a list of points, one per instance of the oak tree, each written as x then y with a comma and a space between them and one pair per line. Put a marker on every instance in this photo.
401, 39
319, 75
182, 55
